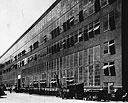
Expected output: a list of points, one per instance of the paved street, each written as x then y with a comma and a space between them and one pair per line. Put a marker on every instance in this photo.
26, 98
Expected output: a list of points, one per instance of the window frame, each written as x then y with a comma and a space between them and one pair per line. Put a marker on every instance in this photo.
103, 5
108, 47
109, 65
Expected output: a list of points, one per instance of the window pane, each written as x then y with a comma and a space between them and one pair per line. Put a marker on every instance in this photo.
91, 75
90, 55
76, 36
80, 74
80, 36
106, 48
80, 58
112, 49
72, 40
91, 9
105, 23
97, 27
112, 71
85, 57
76, 59
81, 16
106, 72
97, 5
97, 53
90, 31
85, 13
86, 33
86, 76
111, 21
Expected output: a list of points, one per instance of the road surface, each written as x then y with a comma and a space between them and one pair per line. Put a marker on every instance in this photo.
26, 98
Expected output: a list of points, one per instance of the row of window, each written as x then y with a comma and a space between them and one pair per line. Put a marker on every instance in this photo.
109, 24
83, 34
109, 48
70, 22
21, 54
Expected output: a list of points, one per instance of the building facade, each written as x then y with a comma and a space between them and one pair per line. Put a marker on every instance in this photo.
77, 40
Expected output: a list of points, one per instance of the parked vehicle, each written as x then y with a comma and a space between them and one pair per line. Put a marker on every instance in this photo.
2, 93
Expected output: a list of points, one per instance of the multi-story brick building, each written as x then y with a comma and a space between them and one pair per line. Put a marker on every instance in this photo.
79, 40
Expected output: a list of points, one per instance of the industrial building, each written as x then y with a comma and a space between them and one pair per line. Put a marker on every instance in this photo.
77, 41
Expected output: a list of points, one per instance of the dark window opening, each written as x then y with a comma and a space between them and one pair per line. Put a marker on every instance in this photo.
58, 30
76, 37
36, 45
112, 69
45, 38
61, 46
52, 49
105, 23
55, 48
58, 47
97, 6
80, 36
111, 1
90, 31
72, 41
22, 63
64, 44
65, 26
68, 43
81, 16
111, 21
35, 57
97, 27
86, 33
15, 58
23, 52
106, 72
47, 50
112, 47
72, 21
68, 25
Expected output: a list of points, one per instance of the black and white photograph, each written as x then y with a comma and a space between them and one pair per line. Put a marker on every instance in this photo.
63, 51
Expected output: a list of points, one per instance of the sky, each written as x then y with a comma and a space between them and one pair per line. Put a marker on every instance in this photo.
16, 16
